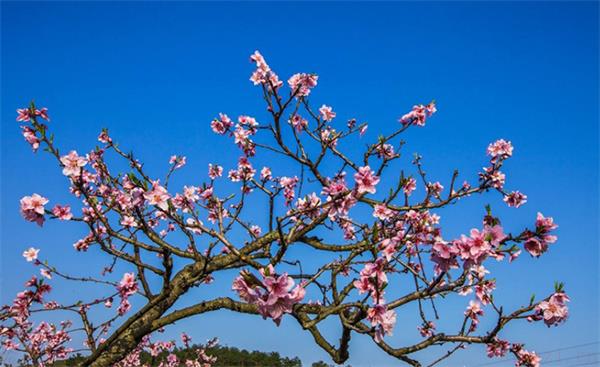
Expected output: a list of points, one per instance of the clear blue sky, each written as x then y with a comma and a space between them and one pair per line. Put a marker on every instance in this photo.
156, 73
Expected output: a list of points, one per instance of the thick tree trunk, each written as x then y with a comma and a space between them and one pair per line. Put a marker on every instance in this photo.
125, 339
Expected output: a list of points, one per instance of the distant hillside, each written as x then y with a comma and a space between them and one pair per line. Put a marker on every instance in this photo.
226, 356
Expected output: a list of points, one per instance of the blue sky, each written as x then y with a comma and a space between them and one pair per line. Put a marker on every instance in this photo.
155, 74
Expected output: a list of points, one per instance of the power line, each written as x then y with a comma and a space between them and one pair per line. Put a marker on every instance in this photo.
595, 363
541, 353
570, 358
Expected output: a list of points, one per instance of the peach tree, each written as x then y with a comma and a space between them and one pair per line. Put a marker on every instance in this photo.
361, 221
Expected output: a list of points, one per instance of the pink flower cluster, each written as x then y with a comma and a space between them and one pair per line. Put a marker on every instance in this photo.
525, 358
31, 254
409, 186
127, 287
473, 250
62, 212
273, 295
309, 205
418, 115
214, 171
244, 129
301, 84
263, 73
327, 113
178, 161
31, 138
382, 212
372, 279
497, 348
45, 343
553, 311
382, 319
500, 149
222, 124
515, 199
289, 185
244, 172
163, 354
385, 151
72, 164
427, 329
25, 114
298, 122
158, 196
32, 208
537, 243
365, 180
473, 312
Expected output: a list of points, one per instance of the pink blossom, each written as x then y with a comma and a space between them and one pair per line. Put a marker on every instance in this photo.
538, 242
46, 273
500, 149
128, 285
327, 113
31, 138
62, 212
382, 212
255, 230
104, 137
265, 174
309, 205
366, 180
178, 161
124, 307
23, 114
288, 184
31, 254
525, 358
372, 278
43, 113
474, 249
515, 199
214, 171
553, 311
389, 248
473, 312
329, 137
32, 208
363, 130
222, 124
497, 348
382, 319
409, 186
435, 188
385, 151
128, 221
444, 255
545, 224
263, 73
494, 234
244, 171
427, 329
301, 84
158, 196
298, 122
72, 164
273, 295
418, 115
483, 291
